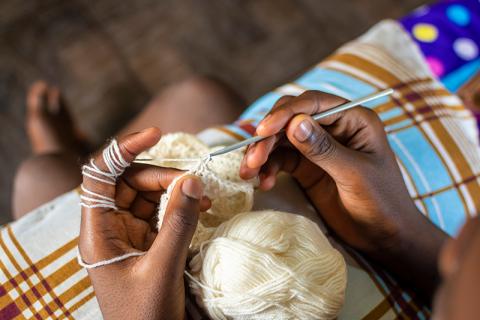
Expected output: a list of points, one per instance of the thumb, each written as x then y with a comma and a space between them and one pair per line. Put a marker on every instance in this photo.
318, 146
170, 247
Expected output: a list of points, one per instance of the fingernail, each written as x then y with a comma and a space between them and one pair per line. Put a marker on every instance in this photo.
192, 188
303, 131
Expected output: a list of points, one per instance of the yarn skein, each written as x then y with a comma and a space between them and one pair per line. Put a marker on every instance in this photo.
251, 265
269, 265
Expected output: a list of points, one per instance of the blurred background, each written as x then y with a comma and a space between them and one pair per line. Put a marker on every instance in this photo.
110, 57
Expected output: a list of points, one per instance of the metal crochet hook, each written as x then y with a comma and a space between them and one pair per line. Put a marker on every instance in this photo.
316, 117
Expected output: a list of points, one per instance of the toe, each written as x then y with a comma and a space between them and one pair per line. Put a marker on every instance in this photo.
54, 100
37, 97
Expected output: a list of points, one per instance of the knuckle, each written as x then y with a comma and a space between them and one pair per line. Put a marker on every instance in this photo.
282, 100
124, 150
321, 146
310, 93
180, 222
370, 114
371, 117
285, 112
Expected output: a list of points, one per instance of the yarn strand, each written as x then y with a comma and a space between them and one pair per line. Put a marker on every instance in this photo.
106, 262
116, 165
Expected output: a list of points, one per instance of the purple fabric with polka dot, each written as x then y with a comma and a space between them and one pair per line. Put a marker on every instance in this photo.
448, 33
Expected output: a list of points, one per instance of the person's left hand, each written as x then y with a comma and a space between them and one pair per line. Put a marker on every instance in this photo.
149, 286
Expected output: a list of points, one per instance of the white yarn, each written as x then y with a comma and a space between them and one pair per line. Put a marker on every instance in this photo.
113, 159
251, 265
95, 200
116, 165
228, 192
269, 265
102, 263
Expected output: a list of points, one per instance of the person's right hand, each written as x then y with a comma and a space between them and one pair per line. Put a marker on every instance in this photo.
347, 169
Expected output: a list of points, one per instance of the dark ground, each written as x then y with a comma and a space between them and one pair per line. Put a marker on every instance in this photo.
109, 57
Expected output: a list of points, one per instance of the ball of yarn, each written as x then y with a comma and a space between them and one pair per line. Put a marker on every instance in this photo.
268, 265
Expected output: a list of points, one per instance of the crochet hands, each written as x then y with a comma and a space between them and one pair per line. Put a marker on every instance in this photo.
343, 162
117, 220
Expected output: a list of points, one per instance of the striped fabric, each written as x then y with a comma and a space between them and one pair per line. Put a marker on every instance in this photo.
432, 134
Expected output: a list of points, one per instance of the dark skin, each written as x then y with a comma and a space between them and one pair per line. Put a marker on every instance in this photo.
350, 174
457, 297
149, 286
345, 166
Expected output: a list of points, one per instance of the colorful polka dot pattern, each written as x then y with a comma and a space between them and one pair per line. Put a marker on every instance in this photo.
425, 32
458, 14
447, 32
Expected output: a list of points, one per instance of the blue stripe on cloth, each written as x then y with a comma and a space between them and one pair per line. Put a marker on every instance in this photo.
420, 159
421, 315
452, 209
457, 78
260, 107
392, 113
339, 84
435, 212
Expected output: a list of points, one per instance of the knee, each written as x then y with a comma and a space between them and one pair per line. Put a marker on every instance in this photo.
41, 178
38, 167
29, 170
204, 86
198, 81
197, 84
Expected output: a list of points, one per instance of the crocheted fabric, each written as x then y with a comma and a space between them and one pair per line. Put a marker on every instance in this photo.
229, 193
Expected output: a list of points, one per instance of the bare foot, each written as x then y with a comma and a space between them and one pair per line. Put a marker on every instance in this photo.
49, 125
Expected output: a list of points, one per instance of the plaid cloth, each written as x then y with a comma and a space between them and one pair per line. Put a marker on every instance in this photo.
432, 134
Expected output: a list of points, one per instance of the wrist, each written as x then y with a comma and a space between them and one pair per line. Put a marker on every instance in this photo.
413, 254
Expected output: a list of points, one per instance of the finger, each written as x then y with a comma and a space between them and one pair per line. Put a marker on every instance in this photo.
170, 248
150, 180
143, 208
96, 185
309, 102
280, 102
280, 160
288, 159
257, 154
124, 194
358, 128
317, 145
205, 204
454, 249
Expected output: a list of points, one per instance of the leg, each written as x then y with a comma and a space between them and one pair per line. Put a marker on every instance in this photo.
41, 178
190, 106
54, 167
